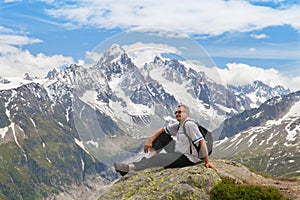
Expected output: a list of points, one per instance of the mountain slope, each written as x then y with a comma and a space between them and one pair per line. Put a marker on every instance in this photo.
267, 138
255, 94
39, 156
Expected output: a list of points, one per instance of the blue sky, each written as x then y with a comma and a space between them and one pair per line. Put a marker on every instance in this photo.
246, 39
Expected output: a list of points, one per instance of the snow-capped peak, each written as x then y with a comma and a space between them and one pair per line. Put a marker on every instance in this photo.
112, 55
15, 82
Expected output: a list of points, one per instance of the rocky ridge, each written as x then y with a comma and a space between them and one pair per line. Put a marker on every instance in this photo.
193, 182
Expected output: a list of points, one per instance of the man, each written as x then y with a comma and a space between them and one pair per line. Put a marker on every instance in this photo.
178, 154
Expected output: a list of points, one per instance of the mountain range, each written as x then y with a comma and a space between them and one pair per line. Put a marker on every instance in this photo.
265, 138
70, 126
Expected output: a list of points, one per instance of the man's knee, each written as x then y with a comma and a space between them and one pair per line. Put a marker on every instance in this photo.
164, 141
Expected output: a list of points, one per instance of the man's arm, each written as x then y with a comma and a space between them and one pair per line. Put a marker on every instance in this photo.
205, 153
148, 144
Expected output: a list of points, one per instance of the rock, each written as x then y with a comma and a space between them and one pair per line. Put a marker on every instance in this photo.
194, 182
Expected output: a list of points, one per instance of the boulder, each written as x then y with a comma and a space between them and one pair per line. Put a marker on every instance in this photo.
194, 182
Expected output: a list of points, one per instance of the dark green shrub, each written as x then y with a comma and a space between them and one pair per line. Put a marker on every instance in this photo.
227, 189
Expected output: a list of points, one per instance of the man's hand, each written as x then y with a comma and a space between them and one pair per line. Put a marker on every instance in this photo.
148, 146
210, 165
204, 151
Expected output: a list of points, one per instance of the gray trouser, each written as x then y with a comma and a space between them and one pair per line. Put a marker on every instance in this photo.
170, 159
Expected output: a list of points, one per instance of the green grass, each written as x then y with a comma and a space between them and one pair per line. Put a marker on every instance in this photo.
228, 189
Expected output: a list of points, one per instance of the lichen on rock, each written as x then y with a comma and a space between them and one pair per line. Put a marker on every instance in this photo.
158, 183
194, 182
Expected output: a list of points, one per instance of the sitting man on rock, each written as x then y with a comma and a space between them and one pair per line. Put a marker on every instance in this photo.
179, 153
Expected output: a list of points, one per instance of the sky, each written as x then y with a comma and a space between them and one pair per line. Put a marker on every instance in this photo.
247, 40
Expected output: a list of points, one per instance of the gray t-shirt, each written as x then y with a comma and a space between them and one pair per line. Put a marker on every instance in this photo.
183, 144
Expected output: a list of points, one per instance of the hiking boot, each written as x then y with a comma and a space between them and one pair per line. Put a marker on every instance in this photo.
122, 168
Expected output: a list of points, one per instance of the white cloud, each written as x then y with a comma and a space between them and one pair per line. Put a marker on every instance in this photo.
5, 30
259, 36
91, 58
191, 16
239, 74
17, 40
11, 1
145, 52
18, 62
139, 52
15, 62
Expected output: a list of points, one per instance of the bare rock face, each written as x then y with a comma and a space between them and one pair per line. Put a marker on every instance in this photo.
193, 182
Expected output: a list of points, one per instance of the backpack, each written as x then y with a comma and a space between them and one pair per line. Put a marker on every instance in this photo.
207, 137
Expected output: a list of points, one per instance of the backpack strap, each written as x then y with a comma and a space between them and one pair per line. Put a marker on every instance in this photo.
206, 135
190, 139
